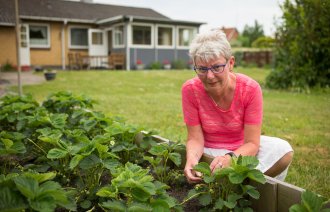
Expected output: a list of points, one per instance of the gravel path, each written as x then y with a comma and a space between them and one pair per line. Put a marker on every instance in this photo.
10, 79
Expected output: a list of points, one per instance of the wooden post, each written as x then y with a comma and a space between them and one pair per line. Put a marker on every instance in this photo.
18, 42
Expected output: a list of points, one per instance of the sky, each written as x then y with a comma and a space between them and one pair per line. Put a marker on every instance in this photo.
215, 13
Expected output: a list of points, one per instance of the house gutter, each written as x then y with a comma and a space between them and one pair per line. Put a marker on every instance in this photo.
57, 19
65, 22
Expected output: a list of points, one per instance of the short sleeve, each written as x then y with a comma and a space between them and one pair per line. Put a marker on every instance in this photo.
253, 106
189, 105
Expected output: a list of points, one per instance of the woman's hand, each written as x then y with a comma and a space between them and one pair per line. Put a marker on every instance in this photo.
192, 175
220, 162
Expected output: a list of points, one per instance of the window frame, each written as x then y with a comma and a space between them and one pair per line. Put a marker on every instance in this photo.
114, 45
173, 37
178, 35
151, 36
40, 46
69, 39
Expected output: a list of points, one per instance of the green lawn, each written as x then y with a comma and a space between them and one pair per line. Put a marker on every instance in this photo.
152, 99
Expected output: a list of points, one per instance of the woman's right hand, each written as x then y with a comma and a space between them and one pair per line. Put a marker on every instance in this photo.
192, 175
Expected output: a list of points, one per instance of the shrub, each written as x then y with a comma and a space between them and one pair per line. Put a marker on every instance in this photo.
179, 64
156, 65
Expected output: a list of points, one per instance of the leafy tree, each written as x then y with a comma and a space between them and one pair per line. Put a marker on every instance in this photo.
263, 42
302, 55
251, 33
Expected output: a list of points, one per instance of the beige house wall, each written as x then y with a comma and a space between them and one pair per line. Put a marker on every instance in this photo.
7, 45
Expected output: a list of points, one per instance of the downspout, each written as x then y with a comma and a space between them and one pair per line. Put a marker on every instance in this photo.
128, 34
65, 22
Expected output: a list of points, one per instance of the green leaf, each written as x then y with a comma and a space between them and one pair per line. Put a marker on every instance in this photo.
139, 207
27, 186
232, 200
114, 205
7, 142
249, 161
219, 203
44, 204
209, 179
41, 177
298, 208
252, 192
89, 162
203, 168
11, 200
85, 204
257, 176
56, 153
58, 120
111, 164
236, 178
176, 158
205, 199
108, 191
89, 124
312, 201
75, 161
159, 150
160, 206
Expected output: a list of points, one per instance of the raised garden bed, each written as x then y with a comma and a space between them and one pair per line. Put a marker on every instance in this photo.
62, 155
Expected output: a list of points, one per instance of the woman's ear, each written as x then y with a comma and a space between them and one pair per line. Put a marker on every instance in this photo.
231, 63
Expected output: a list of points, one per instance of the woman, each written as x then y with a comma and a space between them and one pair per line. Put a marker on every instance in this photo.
223, 112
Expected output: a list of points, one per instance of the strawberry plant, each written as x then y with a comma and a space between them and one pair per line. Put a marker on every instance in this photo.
162, 155
310, 202
33, 191
133, 189
227, 188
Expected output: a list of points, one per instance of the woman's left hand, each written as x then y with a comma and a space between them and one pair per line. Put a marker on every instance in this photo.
220, 162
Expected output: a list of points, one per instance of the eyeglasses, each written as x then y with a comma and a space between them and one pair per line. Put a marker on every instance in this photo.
216, 69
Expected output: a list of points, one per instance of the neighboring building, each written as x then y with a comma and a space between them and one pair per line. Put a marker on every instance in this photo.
231, 33
53, 29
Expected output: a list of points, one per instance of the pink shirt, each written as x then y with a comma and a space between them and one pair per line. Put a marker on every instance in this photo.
222, 129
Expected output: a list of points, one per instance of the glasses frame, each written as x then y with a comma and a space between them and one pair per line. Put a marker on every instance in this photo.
212, 68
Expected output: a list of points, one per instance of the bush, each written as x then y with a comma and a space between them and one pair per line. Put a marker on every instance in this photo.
179, 64
156, 65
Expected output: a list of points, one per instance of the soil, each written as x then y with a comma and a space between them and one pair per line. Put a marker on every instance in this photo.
180, 193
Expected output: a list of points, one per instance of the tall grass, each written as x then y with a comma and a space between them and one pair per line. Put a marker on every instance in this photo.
152, 99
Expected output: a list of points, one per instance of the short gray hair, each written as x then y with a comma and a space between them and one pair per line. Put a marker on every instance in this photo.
210, 45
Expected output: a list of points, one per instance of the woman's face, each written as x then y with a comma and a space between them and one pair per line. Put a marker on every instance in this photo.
214, 74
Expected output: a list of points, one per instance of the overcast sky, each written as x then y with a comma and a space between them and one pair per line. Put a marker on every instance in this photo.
216, 13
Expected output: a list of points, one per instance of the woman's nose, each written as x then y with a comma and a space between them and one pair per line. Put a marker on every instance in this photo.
210, 74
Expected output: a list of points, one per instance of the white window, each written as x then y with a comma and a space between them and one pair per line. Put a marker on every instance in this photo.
118, 36
79, 38
142, 36
185, 36
39, 36
165, 36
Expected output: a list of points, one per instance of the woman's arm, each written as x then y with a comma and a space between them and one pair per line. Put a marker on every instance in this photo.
250, 146
194, 149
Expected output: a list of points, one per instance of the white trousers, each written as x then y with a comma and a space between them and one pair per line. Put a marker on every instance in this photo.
271, 150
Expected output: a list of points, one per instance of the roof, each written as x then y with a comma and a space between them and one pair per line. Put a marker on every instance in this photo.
231, 33
75, 11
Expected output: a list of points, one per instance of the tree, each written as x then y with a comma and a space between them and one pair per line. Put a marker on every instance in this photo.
252, 33
302, 46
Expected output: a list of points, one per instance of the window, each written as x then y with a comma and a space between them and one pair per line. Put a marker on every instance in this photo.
141, 35
97, 38
119, 35
185, 36
165, 36
79, 38
39, 36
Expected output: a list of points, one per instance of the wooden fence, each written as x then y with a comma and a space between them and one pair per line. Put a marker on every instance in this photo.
260, 58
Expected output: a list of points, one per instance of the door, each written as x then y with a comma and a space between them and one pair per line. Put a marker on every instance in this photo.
98, 48
24, 45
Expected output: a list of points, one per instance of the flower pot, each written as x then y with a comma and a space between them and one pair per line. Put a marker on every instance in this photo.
167, 66
50, 76
139, 66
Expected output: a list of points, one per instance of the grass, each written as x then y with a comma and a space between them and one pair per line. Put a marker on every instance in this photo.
152, 100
